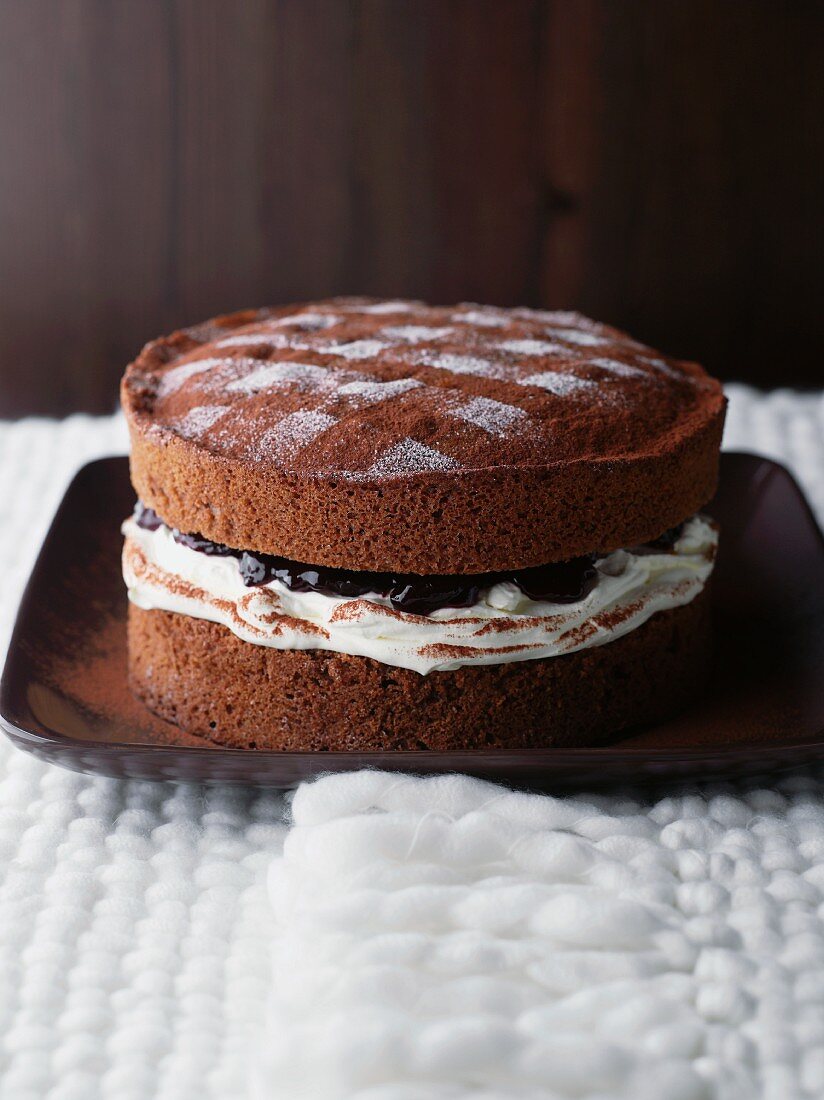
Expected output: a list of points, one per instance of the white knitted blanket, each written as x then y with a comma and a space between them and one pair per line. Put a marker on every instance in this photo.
417, 938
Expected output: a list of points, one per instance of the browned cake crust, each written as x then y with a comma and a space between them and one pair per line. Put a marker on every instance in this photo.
396, 436
210, 683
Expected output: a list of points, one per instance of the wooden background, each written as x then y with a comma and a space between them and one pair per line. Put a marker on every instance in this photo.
657, 163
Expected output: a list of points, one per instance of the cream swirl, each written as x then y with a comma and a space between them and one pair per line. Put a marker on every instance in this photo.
503, 626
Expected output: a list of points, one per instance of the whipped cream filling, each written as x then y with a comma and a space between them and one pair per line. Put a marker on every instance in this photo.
503, 626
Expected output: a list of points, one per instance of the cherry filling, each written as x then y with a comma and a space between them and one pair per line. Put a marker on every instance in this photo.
558, 582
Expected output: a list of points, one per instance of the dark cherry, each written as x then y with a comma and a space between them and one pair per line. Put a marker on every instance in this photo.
255, 569
151, 521
204, 546
423, 595
330, 582
563, 582
559, 582
263, 568
146, 517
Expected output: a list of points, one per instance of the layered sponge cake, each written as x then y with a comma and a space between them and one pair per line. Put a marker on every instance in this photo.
383, 525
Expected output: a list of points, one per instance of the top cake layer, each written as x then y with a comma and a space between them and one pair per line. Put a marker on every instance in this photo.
392, 435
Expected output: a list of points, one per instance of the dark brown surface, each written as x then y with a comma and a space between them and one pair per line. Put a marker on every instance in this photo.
203, 678
658, 165
64, 694
530, 477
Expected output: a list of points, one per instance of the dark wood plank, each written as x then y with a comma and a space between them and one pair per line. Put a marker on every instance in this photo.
266, 132
657, 164
485, 144
703, 193
85, 229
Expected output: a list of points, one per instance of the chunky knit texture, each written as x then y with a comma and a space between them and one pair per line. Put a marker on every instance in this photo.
418, 938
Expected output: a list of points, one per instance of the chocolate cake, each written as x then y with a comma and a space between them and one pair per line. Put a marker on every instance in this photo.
378, 524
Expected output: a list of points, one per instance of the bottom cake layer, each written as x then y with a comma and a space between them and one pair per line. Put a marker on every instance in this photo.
200, 676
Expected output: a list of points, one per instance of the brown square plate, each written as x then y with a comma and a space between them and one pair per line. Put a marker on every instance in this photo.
64, 695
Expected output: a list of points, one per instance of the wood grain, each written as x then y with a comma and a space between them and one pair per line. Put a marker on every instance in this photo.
658, 164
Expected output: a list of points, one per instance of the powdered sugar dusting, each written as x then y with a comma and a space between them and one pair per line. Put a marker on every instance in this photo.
410, 457
532, 347
251, 339
373, 391
485, 318
294, 432
494, 417
197, 421
463, 364
173, 379
664, 367
557, 382
564, 318
622, 370
458, 378
570, 319
268, 375
416, 334
356, 349
307, 320
397, 306
578, 336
